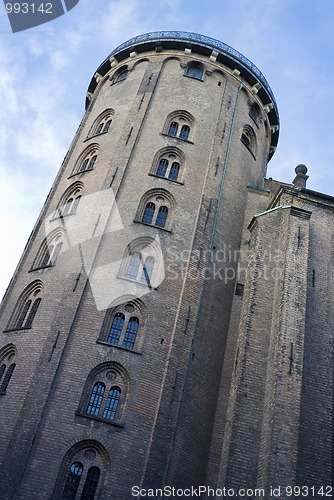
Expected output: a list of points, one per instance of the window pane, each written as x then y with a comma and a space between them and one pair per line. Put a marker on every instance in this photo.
149, 212
67, 206
7, 378
147, 270
122, 76
23, 314
116, 328
195, 72
90, 485
112, 403
72, 482
107, 126
173, 128
2, 370
55, 254
162, 167
99, 128
92, 161
131, 332
84, 165
46, 256
75, 204
162, 217
32, 313
184, 134
96, 399
133, 266
174, 171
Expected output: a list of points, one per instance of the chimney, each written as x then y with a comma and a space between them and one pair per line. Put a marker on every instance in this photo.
301, 177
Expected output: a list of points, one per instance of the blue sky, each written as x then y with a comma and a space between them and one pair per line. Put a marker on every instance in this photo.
45, 72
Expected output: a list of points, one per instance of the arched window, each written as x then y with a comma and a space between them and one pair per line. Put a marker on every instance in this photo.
91, 483
133, 266
161, 217
179, 124
86, 160
173, 128
49, 251
195, 70
116, 328
120, 75
248, 138
147, 270
174, 171
26, 308
96, 398
148, 213
7, 366
184, 134
72, 481
112, 403
162, 168
102, 123
131, 332
124, 323
105, 393
69, 201
156, 206
82, 472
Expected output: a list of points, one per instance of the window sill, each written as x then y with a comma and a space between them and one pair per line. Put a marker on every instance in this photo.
151, 225
108, 344
166, 179
95, 135
17, 329
146, 285
176, 137
78, 173
39, 268
100, 419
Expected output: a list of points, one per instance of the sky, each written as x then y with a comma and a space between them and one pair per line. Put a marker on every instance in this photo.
45, 72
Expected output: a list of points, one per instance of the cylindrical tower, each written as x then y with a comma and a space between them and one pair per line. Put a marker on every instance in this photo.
115, 322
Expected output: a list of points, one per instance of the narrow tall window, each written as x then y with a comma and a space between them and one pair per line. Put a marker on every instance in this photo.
133, 266
32, 313
112, 403
184, 134
147, 270
2, 370
173, 128
116, 328
96, 398
23, 314
148, 213
75, 204
163, 164
84, 165
90, 485
72, 481
7, 378
131, 332
161, 217
174, 171
107, 126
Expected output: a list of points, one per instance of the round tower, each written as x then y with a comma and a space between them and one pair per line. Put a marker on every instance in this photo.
115, 322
